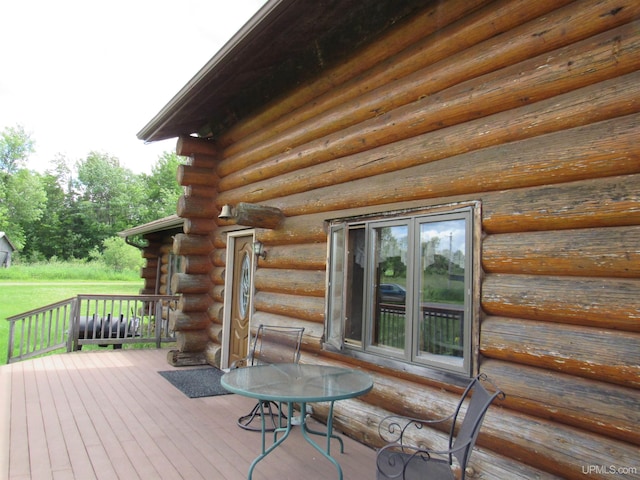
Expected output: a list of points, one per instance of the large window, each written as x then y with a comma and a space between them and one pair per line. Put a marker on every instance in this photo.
401, 289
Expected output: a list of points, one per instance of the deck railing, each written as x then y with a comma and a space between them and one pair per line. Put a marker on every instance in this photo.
90, 320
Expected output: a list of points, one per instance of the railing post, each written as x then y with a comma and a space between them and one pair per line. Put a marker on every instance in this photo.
158, 318
74, 326
11, 339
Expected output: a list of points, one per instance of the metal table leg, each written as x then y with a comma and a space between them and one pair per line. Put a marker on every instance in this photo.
276, 443
326, 453
305, 433
328, 434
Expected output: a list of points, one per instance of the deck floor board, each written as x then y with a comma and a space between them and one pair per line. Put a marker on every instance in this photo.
108, 414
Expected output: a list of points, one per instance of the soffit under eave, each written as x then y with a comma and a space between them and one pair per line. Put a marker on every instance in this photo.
286, 47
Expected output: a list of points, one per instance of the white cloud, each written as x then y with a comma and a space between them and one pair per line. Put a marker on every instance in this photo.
82, 76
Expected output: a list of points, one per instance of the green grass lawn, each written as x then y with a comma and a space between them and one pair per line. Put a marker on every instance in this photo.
19, 296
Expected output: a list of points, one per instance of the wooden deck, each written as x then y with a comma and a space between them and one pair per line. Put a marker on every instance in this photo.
110, 415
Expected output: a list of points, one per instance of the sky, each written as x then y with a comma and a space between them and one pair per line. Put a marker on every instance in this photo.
84, 76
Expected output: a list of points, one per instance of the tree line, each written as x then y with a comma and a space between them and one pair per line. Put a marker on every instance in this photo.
69, 211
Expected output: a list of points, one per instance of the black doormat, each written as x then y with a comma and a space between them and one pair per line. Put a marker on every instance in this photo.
197, 382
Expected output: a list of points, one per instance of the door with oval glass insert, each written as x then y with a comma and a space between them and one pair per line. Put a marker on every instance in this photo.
242, 285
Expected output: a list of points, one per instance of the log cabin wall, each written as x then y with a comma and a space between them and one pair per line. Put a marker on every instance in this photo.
531, 109
191, 321
156, 268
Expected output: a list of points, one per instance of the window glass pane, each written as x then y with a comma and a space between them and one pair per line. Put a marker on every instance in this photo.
442, 288
391, 245
355, 280
245, 286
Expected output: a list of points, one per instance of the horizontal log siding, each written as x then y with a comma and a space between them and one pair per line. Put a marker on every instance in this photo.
596, 353
547, 75
303, 307
607, 202
531, 108
308, 101
307, 256
294, 282
540, 442
596, 252
595, 302
569, 155
597, 406
439, 51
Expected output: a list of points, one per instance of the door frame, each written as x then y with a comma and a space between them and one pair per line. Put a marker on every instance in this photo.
228, 292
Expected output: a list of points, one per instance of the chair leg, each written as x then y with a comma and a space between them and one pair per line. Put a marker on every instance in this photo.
271, 411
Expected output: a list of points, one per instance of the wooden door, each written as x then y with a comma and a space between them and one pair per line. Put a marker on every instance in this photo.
242, 285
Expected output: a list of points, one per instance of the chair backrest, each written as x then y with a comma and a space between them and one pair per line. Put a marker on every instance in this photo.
467, 434
274, 344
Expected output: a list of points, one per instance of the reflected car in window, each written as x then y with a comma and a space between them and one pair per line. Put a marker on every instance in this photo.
392, 292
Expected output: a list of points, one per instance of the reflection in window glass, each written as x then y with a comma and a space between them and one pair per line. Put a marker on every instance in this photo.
442, 287
355, 280
390, 279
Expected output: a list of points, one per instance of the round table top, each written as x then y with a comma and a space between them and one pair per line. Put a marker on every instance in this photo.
293, 382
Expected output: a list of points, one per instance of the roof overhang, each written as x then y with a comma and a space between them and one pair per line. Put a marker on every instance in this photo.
285, 43
167, 223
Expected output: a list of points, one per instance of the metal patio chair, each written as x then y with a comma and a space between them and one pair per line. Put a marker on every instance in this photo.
272, 344
400, 460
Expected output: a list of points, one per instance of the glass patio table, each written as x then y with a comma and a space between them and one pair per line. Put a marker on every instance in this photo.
298, 383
